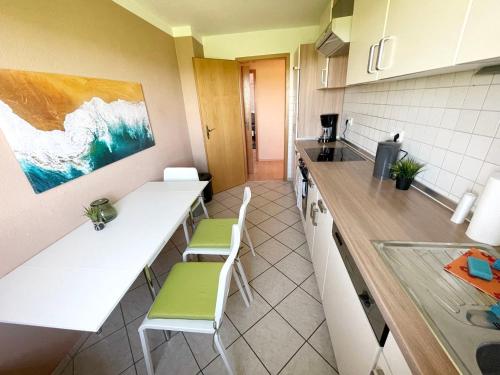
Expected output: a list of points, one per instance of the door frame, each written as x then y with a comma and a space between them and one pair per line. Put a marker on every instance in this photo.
286, 57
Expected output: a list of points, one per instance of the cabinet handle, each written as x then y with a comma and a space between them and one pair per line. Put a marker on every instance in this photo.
380, 55
324, 77
310, 183
321, 206
377, 371
370, 59
314, 210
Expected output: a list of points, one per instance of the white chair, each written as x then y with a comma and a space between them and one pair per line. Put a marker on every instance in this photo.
192, 299
186, 174
213, 237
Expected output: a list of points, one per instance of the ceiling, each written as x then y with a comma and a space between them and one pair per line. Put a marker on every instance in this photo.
210, 17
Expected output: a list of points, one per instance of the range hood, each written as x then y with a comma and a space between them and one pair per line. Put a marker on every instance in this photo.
336, 37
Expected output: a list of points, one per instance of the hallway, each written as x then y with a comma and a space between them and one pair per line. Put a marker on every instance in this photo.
266, 169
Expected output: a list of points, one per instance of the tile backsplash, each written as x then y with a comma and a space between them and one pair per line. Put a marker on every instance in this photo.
450, 122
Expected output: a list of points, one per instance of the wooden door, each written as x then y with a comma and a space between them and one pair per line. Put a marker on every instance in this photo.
247, 114
218, 85
368, 24
424, 35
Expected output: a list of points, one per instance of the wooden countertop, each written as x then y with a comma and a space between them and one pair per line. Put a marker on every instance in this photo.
366, 209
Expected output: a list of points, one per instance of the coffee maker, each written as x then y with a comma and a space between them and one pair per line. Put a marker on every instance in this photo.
329, 125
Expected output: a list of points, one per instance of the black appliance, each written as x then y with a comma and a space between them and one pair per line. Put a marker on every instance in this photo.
304, 184
375, 318
329, 125
337, 154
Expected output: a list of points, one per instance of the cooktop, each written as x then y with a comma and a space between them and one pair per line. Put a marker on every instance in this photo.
323, 154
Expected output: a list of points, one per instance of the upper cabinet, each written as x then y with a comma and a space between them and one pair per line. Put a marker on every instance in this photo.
420, 35
481, 32
368, 26
391, 38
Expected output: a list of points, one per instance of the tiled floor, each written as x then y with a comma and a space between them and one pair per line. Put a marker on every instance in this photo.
283, 332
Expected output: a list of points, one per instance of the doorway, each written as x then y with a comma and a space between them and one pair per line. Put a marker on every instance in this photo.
264, 100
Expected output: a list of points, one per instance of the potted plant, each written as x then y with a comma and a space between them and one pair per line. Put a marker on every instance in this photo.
94, 214
404, 171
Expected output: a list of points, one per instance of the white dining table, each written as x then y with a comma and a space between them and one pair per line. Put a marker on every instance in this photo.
76, 282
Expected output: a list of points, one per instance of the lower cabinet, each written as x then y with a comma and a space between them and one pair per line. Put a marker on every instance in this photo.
355, 346
323, 242
312, 208
394, 358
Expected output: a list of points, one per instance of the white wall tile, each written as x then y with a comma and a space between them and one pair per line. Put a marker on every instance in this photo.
479, 146
486, 170
470, 168
456, 97
487, 123
452, 162
443, 138
475, 97
445, 180
492, 101
494, 153
460, 186
459, 142
463, 78
467, 120
481, 79
450, 118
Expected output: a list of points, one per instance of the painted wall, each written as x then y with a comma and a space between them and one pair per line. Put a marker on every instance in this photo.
259, 43
451, 122
270, 91
186, 48
90, 38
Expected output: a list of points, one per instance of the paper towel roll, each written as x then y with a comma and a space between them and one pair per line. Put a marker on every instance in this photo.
485, 224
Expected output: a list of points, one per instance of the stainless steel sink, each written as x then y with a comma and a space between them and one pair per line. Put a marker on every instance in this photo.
455, 310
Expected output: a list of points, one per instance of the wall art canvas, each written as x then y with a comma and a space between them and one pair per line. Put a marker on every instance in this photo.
62, 127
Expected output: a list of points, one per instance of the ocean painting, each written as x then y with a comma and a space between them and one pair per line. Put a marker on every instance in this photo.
62, 127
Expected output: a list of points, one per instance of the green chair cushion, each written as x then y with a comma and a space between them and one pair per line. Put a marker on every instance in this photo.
213, 233
190, 292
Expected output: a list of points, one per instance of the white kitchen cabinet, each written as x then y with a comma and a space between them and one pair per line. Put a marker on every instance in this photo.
312, 208
323, 242
420, 35
368, 27
394, 357
382, 367
481, 32
355, 346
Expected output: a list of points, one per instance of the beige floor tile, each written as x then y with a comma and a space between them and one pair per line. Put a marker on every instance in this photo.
221, 196
156, 338
237, 191
321, 341
302, 311
291, 238
272, 208
303, 251
295, 267
259, 190
273, 286
254, 265
171, 358
286, 201
137, 302
272, 251
201, 344
272, 226
231, 201
284, 189
129, 371
274, 341
214, 207
243, 361
110, 356
244, 317
226, 214
273, 184
165, 261
112, 324
257, 236
259, 201
288, 217
307, 361
257, 216
272, 195
298, 227
310, 285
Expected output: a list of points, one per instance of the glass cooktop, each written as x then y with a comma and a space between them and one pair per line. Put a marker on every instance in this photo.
323, 154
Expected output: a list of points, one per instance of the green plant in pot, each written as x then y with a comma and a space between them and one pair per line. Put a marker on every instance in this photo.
404, 172
94, 214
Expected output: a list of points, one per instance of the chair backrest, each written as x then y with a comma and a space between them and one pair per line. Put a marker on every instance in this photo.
225, 276
247, 195
180, 174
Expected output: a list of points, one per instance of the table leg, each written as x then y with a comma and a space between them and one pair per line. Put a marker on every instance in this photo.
149, 280
186, 232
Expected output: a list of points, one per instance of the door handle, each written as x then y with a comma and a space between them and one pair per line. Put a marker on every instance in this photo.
209, 131
321, 206
314, 210
380, 54
370, 59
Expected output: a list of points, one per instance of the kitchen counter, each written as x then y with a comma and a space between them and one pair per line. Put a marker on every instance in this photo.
366, 209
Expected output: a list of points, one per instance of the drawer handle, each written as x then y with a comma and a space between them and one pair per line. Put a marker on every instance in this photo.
314, 210
321, 206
